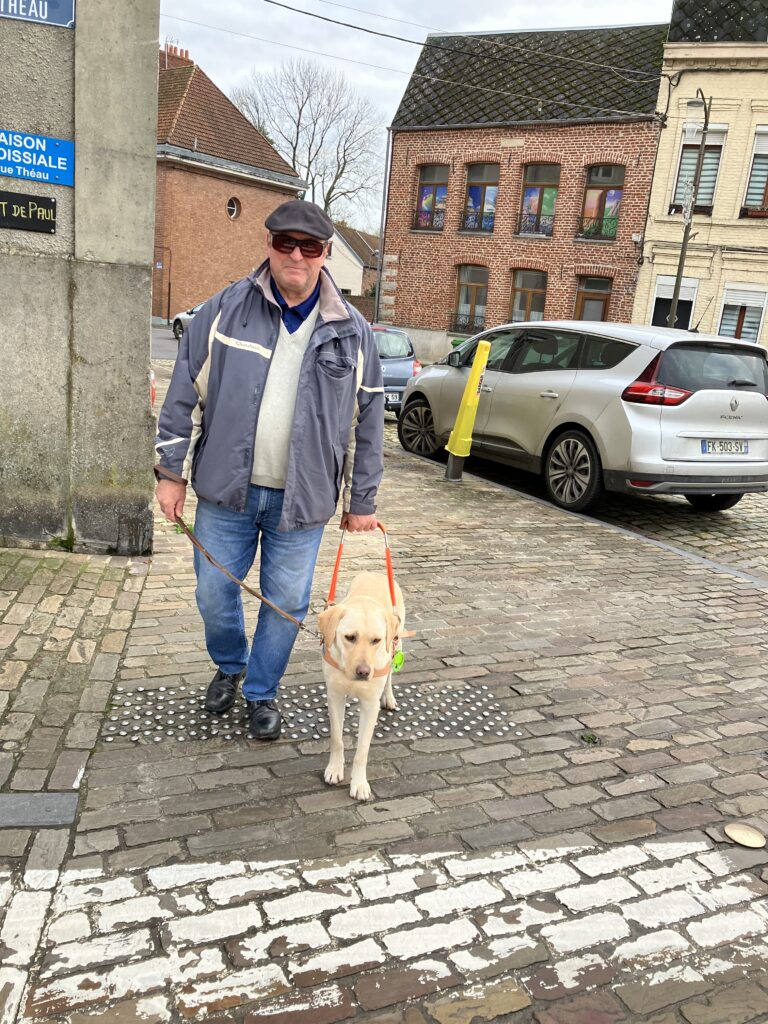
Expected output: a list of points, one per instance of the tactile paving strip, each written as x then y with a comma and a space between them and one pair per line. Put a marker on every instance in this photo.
147, 715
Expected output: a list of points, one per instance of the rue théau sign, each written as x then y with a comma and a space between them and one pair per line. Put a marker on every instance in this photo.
45, 12
37, 157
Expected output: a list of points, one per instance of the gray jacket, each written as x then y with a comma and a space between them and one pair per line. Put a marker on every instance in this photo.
207, 425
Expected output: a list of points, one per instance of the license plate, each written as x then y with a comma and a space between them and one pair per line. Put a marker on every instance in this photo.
724, 447
391, 396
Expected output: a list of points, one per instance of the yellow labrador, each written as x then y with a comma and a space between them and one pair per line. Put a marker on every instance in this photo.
360, 636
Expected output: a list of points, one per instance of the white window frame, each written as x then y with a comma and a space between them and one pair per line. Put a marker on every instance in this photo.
694, 128
738, 287
761, 138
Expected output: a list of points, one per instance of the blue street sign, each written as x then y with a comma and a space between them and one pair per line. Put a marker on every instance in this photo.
36, 157
45, 12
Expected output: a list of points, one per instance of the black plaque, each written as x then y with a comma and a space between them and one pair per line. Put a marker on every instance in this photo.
27, 213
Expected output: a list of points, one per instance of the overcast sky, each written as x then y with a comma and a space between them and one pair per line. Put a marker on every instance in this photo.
217, 34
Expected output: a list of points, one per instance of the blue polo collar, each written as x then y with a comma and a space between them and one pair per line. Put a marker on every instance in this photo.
294, 316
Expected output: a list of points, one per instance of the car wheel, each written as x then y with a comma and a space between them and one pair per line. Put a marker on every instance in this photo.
572, 472
178, 329
416, 429
713, 502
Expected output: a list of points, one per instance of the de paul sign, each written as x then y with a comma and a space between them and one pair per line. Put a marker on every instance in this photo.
37, 157
27, 213
45, 12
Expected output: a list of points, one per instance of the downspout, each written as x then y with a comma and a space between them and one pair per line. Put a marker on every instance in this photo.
384, 198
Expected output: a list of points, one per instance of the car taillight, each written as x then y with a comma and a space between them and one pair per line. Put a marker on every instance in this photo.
647, 391
417, 367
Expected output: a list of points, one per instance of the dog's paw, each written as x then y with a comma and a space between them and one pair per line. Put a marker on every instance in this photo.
388, 703
334, 774
360, 790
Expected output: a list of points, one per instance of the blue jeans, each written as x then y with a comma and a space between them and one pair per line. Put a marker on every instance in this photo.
287, 566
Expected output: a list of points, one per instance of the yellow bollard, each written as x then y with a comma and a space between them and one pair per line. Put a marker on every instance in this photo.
460, 441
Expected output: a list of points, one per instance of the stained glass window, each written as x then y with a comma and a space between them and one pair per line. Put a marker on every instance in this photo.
602, 201
540, 186
480, 204
432, 197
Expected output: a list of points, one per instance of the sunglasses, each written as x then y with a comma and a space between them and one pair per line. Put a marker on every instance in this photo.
311, 248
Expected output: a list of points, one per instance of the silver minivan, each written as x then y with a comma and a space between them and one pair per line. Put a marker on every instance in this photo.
600, 406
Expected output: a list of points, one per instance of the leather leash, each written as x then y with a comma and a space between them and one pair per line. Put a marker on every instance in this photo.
254, 593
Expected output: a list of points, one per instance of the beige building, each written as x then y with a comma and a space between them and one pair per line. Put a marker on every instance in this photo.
353, 259
725, 278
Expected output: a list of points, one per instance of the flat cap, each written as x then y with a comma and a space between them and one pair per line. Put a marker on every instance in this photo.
299, 215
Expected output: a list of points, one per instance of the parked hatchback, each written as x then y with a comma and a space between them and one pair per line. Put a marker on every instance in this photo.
599, 406
398, 363
182, 320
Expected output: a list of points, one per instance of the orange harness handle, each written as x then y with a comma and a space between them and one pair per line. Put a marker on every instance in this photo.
388, 558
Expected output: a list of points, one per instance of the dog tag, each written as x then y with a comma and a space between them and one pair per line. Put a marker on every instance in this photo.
397, 661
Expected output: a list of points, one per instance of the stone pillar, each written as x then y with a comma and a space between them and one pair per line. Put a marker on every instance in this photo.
76, 426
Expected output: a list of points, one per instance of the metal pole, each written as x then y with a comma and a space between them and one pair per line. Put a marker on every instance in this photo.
688, 214
170, 269
383, 222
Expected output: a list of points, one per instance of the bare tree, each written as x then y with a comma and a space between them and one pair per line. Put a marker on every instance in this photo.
314, 118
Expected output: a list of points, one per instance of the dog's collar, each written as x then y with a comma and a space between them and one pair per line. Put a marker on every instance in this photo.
377, 673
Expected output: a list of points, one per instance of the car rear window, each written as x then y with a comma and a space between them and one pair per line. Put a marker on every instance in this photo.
603, 353
711, 368
393, 345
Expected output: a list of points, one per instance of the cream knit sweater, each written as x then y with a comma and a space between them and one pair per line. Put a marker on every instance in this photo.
273, 430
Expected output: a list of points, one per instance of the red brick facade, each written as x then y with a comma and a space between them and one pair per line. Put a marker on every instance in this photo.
200, 247
419, 285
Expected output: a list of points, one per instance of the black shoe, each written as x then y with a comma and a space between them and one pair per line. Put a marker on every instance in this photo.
264, 720
222, 691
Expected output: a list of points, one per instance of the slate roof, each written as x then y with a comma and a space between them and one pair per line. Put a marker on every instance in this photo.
193, 114
719, 21
533, 77
361, 242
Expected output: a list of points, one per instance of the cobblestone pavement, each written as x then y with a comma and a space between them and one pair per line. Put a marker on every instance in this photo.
737, 538
572, 870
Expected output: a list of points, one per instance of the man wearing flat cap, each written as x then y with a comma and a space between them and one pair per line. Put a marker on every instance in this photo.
276, 397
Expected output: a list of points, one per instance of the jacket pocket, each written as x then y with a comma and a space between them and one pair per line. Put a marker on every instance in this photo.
336, 367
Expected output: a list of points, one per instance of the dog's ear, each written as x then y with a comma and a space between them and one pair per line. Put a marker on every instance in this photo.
328, 621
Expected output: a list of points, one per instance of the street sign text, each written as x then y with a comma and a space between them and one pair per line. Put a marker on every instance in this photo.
27, 213
37, 157
45, 12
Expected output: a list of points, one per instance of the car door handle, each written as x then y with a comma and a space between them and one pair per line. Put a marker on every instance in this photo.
485, 388
548, 394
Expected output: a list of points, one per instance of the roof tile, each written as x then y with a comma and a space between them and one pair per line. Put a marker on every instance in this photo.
534, 77
194, 114
719, 21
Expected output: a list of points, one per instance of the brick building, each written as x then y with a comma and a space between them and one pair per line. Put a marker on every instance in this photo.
524, 196
717, 49
217, 180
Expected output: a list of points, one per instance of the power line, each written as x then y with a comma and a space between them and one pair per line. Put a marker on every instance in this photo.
453, 50
384, 17
414, 74
287, 46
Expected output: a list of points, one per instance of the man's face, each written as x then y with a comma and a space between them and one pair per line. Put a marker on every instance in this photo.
295, 273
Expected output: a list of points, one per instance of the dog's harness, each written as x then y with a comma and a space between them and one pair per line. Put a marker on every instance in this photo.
397, 656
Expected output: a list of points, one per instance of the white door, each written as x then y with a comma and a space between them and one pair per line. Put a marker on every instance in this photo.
540, 373
452, 390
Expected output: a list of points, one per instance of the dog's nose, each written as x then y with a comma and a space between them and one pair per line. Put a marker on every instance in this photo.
362, 671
